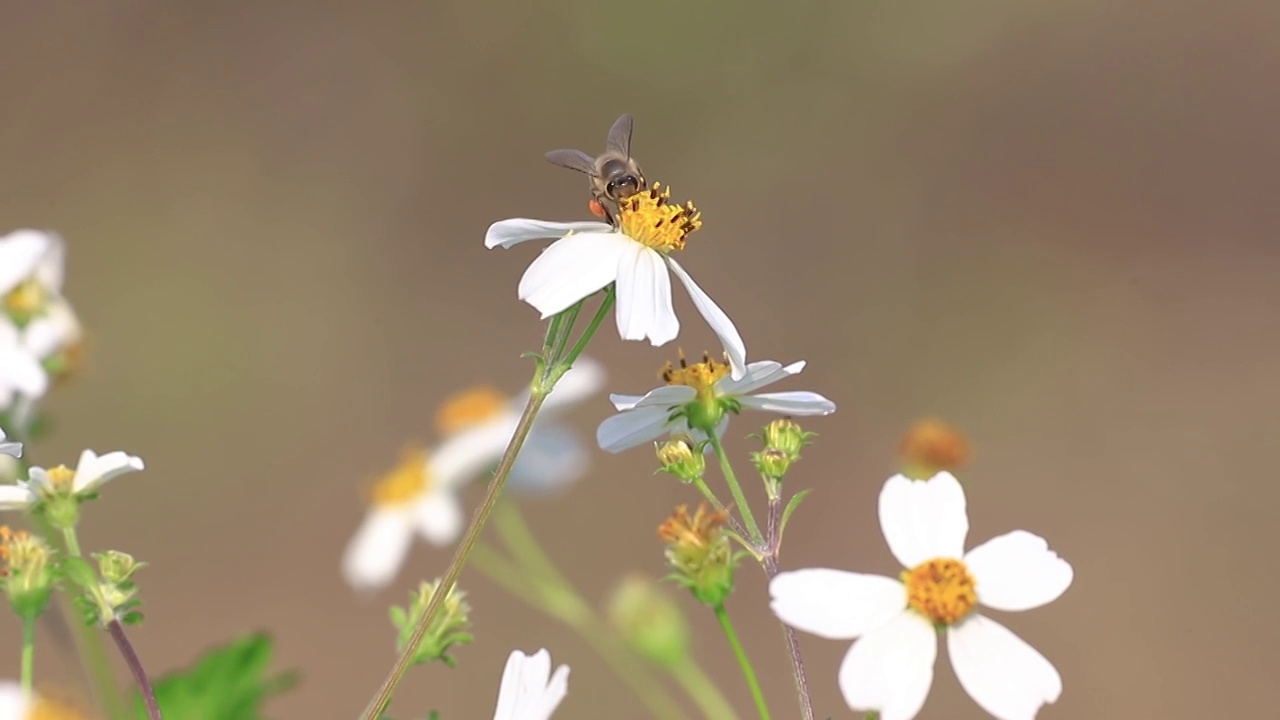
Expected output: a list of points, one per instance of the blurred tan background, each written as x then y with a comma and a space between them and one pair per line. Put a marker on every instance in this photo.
1051, 223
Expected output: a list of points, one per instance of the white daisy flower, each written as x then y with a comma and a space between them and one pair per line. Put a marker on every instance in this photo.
420, 496
589, 256
897, 620
92, 472
529, 690
699, 396
12, 449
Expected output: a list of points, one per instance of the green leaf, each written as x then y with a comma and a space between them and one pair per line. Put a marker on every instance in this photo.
230, 682
79, 571
792, 504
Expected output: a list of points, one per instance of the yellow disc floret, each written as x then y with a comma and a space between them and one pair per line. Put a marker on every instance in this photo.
941, 589
650, 219
700, 376
26, 299
404, 483
48, 708
469, 408
62, 478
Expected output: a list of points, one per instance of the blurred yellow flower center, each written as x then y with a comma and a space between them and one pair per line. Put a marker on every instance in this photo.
650, 219
62, 478
931, 446
49, 709
700, 376
21, 551
696, 532
27, 299
404, 483
942, 590
469, 408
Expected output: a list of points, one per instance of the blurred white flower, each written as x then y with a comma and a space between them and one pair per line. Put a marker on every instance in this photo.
14, 704
529, 690
21, 374
91, 473
589, 256
12, 449
896, 622
420, 496
31, 255
701, 395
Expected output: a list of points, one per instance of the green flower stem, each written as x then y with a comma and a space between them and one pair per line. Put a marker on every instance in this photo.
770, 563
695, 682
564, 604
550, 369
736, 490
592, 326
92, 651
28, 654
743, 661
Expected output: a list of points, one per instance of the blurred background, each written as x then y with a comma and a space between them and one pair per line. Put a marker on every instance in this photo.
1051, 223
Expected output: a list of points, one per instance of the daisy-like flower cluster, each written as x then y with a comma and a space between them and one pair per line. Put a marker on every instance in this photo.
895, 622
39, 331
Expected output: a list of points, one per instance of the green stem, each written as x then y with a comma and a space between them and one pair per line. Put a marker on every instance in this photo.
736, 490
710, 701
520, 541
28, 653
566, 606
743, 661
93, 653
594, 325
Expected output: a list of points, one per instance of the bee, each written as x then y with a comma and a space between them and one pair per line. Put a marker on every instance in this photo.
614, 176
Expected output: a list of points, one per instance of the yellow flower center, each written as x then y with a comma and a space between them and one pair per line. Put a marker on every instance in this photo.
941, 589
404, 483
46, 708
931, 446
27, 299
469, 408
650, 219
696, 532
62, 478
701, 376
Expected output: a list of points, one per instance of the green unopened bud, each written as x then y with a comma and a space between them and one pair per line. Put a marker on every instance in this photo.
117, 567
679, 458
699, 554
785, 436
649, 621
26, 572
451, 626
772, 463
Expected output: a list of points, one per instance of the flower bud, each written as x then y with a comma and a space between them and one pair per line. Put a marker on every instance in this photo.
679, 458
116, 567
451, 626
785, 436
699, 554
931, 446
26, 572
649, 621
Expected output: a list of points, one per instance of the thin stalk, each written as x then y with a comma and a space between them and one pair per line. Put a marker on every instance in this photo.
594, 325
578, 615
28, 654
726, 468
135, 666
710, 701
770, 563
382, 698
92, 651
744, 662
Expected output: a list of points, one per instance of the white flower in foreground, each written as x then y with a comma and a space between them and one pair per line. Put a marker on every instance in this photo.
91, 473
530, 691
896, 621
14, 704
698, 396
589, 256
12, 449
31, 255
420, 496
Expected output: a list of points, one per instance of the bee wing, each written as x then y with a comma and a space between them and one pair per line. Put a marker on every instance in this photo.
620, 136
573, 159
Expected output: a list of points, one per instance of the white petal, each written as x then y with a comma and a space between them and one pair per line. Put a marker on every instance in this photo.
1007, 677
571, 269
552, 458
716, 318
795, 402
15, 497
49, 333
582, 381
923, 520
54, 261
835, 604
890, 668
529, 691
506, 233
666, 396
12, 449
644, 297
1018, 571
438, 517
378, 549
14, 703
93, 471
20, 253
464, 455
630, 428
21, 371
758, 375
